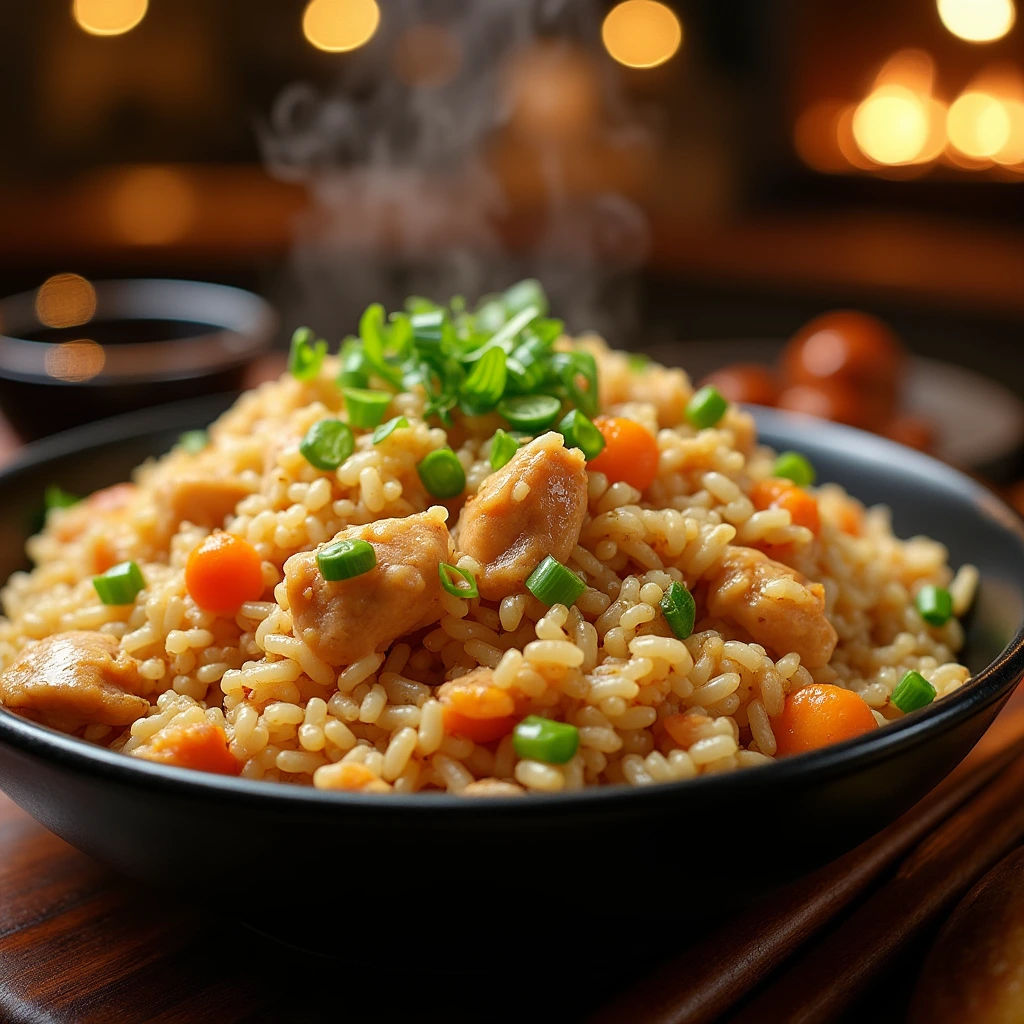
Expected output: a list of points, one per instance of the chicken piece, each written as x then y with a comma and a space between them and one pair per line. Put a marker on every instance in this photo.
202, 746
532, 507
781, 609
74, 679
202, 500
346, 620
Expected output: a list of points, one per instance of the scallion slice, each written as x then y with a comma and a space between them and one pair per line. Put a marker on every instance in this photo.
442, 473
706, 407
541, 739
679, 609
913, 692
552, 583
120, 584
503, 447
355, 370
57, 497
481, 390
387, 429
528, 292
934, 605
327, 444
580, 433
306, 355
466, 589
530, 412
193, 441
796, 467
365, 407
344, 559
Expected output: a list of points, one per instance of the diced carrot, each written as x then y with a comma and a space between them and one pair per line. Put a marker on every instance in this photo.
477, 701
201, 746
685, 729
103, 555
630, 452
224, 572
851, 520
818, 716
479, 730
778, 493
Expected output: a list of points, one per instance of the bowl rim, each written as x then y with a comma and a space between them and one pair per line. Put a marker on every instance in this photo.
993, 683
241, 325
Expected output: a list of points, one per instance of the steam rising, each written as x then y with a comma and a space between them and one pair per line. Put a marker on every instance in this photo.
405, 194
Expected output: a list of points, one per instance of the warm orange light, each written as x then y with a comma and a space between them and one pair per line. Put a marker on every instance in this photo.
913, 69
1012, 153
75, 361
65, 300
935, 140
891, 125
340, 25
427, 57
152, 206
848, 144
978, 125
108, 17
978, 21
553, 92
816, 137
641, 33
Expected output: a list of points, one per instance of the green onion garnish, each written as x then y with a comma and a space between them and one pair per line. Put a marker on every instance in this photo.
365, 408
552, 583
327, 444
706, 407
528, 292
541, 739
934, 605
530, 412
343, 559
355, 370
638, 362
503, 447
193, 441
481, 390
56, 497
580, 433
794, 466
428, 327
466, 589
913, 692
442, 473
679, 609
306, 355
387, 429
120, 584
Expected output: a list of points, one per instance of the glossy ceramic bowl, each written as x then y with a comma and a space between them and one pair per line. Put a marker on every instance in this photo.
681, 848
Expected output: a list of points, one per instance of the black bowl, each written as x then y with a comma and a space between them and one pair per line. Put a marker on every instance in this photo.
147, 343
683, 848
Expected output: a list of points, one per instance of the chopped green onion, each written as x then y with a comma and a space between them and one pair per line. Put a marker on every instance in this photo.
571, 366
120, 584
355, 370
481, 390
935, 605
541, 739
490, 314
679, 609
528, 292
56, 497
530, 412
306, 355
468, 589
428, 327
365, 408
706, 407
552, 583
344, 559
794, 466
387, 429
193, 441
372, 333
442, 473
638, 362
913, 692
327, 444
580, 433
503, 447
528, 364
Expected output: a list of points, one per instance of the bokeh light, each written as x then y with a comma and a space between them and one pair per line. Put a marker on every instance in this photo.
151, 206
427, 57
978, 125
553, 92
978, 21
75, 361
816, 137
108, 17
340, 25
891, 125
1012, 153
641, 33
65, 300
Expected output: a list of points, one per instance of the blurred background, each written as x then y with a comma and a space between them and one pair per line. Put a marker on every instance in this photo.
682, 176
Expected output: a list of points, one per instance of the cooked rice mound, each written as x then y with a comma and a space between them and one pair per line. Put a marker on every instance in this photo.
273, 691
